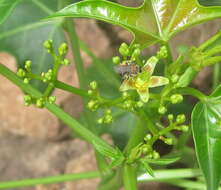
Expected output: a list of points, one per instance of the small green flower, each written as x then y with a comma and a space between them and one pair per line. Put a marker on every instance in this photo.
144, 80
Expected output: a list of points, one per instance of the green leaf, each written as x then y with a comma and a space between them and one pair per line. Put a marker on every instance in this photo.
23, 36
6, 7
162, 161
110, 153
154, 21
206, 126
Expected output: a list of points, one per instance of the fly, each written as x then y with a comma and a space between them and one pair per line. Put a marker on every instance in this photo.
127, 69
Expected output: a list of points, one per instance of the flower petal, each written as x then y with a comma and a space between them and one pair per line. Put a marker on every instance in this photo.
156, 81
144, 95
150, 65
127, 85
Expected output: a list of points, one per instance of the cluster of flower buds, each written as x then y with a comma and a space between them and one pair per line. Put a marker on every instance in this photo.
107, 118
25, 73
47, 77
162, 53
39, 102
178, 123
176, 98
130, 104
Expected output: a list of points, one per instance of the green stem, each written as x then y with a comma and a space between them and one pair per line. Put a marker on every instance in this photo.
69, 88
216, 75
49, 180
186, 184
70, 121
210, 41
70, 28
129, 177
168, 174
191, 91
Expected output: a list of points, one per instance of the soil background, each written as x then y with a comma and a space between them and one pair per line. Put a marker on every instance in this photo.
33, 143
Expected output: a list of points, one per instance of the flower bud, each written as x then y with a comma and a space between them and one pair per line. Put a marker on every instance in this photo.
116, 60
139, 104
170, 117
21, 73
162, 110
184, 128
168, 141
181, 118
124, 49
93, 105
40, 103
176, 98
162, 54
52, 99
155, 155
147, 137
63, 49
26, 80
90, 92
136, 53
28, 64
100, 121
65, 62
93, 85
174, 78
48, 45
27, 100
125, 95
108, 119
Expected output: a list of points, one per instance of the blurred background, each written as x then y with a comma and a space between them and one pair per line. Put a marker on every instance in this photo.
33, 143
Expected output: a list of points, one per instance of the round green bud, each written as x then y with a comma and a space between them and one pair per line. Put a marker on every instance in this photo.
40, 103
108, 118
93, 105
184, 128
100, 121
21, 73
181, 118
162, 110
170, 117
168, 141
155, 155
90, 92
127, 104
65, 62
139, 104
93, 85
176, 98
125, 95
145, 149
26, 80
174, 78
116, 60
162, 53
48, 44
28, 64
124, 49
136, 53
63, 49
52, 99
147, 137
27, 100
108, 111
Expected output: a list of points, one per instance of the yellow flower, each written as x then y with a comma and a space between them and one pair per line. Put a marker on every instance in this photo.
144, 80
